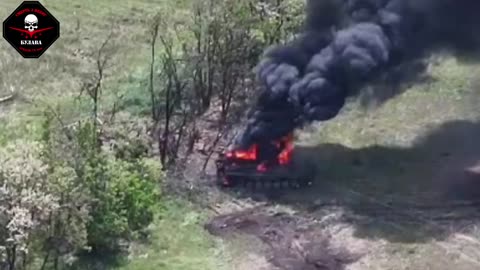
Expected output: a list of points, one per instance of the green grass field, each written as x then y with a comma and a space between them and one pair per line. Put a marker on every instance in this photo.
85, 25
178, 242
388, 153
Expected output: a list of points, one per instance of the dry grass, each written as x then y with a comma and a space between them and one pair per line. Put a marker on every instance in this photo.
84, 27
58, 75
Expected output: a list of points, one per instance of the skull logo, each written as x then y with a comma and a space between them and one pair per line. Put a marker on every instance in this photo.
31, 22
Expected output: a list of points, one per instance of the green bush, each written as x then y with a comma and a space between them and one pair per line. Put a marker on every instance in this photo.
125, 197
123, 189
128, 139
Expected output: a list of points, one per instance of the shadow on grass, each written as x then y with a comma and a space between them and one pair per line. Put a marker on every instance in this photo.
401, 194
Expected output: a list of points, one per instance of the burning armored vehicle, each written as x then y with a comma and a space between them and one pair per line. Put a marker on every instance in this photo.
274, 163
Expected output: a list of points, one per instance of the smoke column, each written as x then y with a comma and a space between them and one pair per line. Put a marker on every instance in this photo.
346, 44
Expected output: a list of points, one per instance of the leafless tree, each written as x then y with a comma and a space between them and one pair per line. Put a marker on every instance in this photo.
93, 87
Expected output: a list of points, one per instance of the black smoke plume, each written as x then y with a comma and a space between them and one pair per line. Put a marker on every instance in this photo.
345, 45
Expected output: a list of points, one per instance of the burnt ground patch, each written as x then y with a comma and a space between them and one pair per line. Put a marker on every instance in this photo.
295, 243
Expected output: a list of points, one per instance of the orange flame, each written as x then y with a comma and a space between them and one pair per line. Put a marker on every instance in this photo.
286, 155
283, 158
250, 154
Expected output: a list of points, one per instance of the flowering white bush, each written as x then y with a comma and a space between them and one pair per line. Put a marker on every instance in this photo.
26, 204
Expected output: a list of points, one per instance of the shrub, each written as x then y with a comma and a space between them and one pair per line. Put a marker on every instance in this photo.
25, 201
125, 197
41, 208
121, 183
128, 139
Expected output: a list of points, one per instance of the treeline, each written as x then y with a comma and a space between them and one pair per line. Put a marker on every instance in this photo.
90, 186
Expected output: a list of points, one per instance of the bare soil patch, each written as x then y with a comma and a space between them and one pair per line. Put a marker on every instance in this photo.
294, 242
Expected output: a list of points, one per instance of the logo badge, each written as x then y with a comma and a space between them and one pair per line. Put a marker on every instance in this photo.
31, 29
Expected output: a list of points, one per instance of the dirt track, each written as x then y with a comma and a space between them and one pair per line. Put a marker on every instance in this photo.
294, 242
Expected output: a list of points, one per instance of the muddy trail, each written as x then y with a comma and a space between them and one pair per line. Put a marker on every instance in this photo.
294, 242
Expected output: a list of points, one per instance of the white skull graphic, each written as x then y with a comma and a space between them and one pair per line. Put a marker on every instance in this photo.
31, 22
